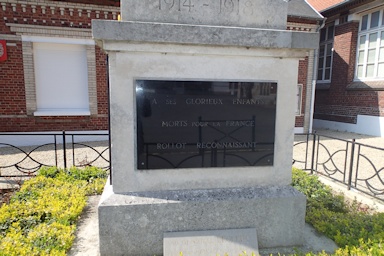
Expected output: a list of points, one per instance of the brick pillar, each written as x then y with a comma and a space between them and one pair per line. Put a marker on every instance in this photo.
344, 56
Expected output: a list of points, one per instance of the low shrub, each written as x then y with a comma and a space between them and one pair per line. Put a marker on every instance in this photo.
92, 178
356, 232
89, 173
43, 239
41, 218
318, 194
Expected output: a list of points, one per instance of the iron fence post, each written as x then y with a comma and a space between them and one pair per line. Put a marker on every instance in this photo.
73, 150
55, 146
306, 152
313, 153
351, 164
64, 151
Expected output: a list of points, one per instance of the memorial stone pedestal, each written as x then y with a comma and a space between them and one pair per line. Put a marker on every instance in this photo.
202, 121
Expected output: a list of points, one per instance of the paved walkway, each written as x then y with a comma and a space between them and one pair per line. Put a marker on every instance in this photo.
376, 156
361, 138
87, 234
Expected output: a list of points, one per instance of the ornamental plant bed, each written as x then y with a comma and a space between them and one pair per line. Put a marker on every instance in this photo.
40, 218
355, 229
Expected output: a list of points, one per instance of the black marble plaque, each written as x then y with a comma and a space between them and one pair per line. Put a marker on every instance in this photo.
194, 124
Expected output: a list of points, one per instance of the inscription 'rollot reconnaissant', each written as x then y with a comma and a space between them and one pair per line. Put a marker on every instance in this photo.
226, 145
187, 124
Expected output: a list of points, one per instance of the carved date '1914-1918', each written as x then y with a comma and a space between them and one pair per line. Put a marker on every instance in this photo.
243, 7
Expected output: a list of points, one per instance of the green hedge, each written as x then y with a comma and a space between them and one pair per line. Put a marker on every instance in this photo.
41, 218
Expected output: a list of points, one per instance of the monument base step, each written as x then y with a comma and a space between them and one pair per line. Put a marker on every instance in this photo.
135, 223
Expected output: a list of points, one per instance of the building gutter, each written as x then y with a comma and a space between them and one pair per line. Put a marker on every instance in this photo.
314, 79
347, 4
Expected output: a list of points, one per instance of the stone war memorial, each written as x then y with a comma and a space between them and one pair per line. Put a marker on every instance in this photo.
202, 119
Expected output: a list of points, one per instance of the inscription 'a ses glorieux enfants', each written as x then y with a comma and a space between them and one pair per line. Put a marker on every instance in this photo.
210, 101
228, 123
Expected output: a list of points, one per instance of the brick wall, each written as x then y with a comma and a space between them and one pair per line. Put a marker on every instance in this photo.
15, 86
344, 55
67, 19
97, 2
54, 13
12, 94
340, 103
302, 79
101, 78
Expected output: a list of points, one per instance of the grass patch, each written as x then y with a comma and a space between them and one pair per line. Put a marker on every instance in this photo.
41, 218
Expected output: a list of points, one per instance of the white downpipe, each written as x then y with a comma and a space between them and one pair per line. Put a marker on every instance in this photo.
314, 79
314, 76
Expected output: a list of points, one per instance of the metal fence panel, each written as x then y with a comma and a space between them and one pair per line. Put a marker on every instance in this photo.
358, 166
59, 149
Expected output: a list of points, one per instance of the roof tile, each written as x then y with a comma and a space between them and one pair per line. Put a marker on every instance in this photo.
321, 5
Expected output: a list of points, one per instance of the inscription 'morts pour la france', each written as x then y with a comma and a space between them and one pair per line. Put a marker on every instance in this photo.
192, 124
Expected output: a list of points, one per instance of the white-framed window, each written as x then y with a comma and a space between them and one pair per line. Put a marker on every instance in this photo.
324, 70
61, 78
299, 96
370, 47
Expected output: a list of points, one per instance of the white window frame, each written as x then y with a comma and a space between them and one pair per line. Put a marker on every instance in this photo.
328, 47
299, 95
90, 58
363, 48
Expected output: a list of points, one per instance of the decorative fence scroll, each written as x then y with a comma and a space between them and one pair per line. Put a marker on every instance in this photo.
356, 165
54, 149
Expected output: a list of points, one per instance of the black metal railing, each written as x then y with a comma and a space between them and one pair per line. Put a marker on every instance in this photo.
61, 149
358, 166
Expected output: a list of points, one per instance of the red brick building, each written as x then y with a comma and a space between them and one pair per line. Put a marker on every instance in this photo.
350, 81
54, 77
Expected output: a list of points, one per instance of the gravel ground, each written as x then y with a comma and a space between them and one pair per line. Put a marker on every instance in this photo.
29, 159
334, 158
